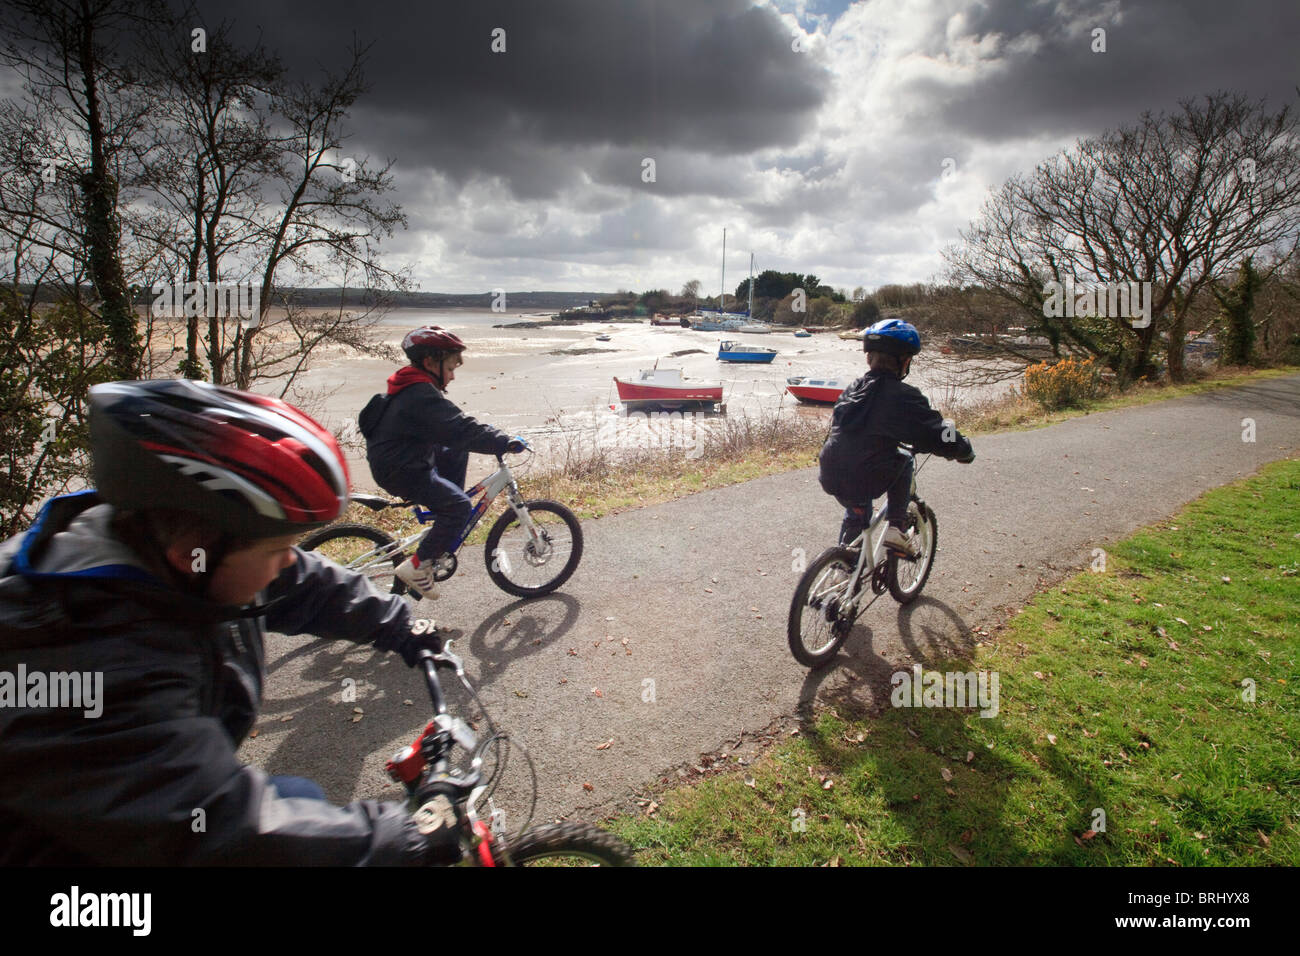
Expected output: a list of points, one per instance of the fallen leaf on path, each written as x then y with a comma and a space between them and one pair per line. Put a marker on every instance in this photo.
1051, 739
588, 787
286, 718
596, 691
945, 773
606, 745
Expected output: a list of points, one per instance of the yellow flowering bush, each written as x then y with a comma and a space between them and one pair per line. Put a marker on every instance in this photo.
1068, 382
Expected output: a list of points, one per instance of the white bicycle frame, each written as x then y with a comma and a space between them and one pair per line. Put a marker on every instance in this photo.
877, 549
500, 480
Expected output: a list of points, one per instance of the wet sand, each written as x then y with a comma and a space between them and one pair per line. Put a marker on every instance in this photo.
512, 381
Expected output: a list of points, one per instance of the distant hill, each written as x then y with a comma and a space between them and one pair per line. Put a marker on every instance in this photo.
325, 297
445, 300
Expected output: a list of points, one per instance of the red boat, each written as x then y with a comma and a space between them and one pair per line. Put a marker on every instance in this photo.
664, 387
816, 391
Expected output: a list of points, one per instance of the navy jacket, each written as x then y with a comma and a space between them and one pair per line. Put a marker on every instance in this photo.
871, 418
418, 419
181, 687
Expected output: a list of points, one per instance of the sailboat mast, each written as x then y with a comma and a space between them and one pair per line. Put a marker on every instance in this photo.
751, 287
722, 291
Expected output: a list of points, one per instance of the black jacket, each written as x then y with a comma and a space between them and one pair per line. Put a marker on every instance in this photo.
417, 419
871, 418
154, 779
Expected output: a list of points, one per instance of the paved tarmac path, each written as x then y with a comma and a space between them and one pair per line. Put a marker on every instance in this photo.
669, 640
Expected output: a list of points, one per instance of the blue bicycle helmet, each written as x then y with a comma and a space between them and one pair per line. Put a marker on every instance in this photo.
892, 336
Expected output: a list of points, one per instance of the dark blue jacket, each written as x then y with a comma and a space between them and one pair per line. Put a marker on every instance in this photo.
181, 687
871, 418
418, 419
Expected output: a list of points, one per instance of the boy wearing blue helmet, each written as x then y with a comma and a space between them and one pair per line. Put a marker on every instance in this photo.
860, 460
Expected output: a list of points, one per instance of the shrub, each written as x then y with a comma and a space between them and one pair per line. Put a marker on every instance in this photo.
1064, 384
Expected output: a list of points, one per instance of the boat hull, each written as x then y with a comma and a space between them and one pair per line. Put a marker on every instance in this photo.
817, 392
632, 393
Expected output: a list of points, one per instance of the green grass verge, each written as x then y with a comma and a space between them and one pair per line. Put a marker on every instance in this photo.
1121, 690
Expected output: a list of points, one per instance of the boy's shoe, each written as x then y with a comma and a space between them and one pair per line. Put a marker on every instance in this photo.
420, 579
895, 540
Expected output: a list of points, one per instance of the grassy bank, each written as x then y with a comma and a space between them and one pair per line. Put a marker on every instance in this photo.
597, 481
1161, 691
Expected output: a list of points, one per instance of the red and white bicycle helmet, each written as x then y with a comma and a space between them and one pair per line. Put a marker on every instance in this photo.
431, 340
251, 465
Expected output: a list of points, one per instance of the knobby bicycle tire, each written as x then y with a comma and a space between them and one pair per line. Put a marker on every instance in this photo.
896, 589
508, 520
799, 609
339, 532
574, 841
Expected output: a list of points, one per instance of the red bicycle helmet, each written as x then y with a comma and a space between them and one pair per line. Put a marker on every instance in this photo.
251, 465
430, 340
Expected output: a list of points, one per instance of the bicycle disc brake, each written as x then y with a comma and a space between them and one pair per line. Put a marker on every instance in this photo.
538, 555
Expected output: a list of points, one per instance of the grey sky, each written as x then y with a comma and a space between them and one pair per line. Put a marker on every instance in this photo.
523, 169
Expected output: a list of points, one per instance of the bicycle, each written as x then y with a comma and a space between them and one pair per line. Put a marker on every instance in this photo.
530, 540
440, 796
829, 597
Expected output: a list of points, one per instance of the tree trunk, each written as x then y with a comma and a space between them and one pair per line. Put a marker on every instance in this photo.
102, 234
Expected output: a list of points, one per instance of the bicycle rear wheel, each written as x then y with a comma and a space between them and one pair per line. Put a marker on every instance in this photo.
363, 549
907, 577
521, 566
816, 627
568, 844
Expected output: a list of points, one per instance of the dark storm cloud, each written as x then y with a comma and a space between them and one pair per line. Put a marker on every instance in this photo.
1157, 53
717, 77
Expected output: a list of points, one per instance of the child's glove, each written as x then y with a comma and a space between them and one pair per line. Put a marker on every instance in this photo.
517, 444
424, 634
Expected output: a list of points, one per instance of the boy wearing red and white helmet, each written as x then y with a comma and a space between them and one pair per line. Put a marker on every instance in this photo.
146, 584
418, 444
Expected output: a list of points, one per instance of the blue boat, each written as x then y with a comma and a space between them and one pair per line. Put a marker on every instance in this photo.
736, 352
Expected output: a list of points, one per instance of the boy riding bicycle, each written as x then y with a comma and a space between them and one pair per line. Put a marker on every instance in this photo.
148, 584
418, 444
861, 460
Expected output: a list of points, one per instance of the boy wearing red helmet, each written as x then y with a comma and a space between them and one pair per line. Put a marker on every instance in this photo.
146, 583
418, 444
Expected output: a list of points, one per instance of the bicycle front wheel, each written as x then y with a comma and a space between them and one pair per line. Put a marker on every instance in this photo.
567, 844
363, 549
906, 577
817, 627
527, 566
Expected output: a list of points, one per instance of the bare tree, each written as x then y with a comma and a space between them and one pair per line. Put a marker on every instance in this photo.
1176, 201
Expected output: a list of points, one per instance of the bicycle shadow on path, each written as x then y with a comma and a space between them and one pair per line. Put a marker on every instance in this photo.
320, 733
952, 794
